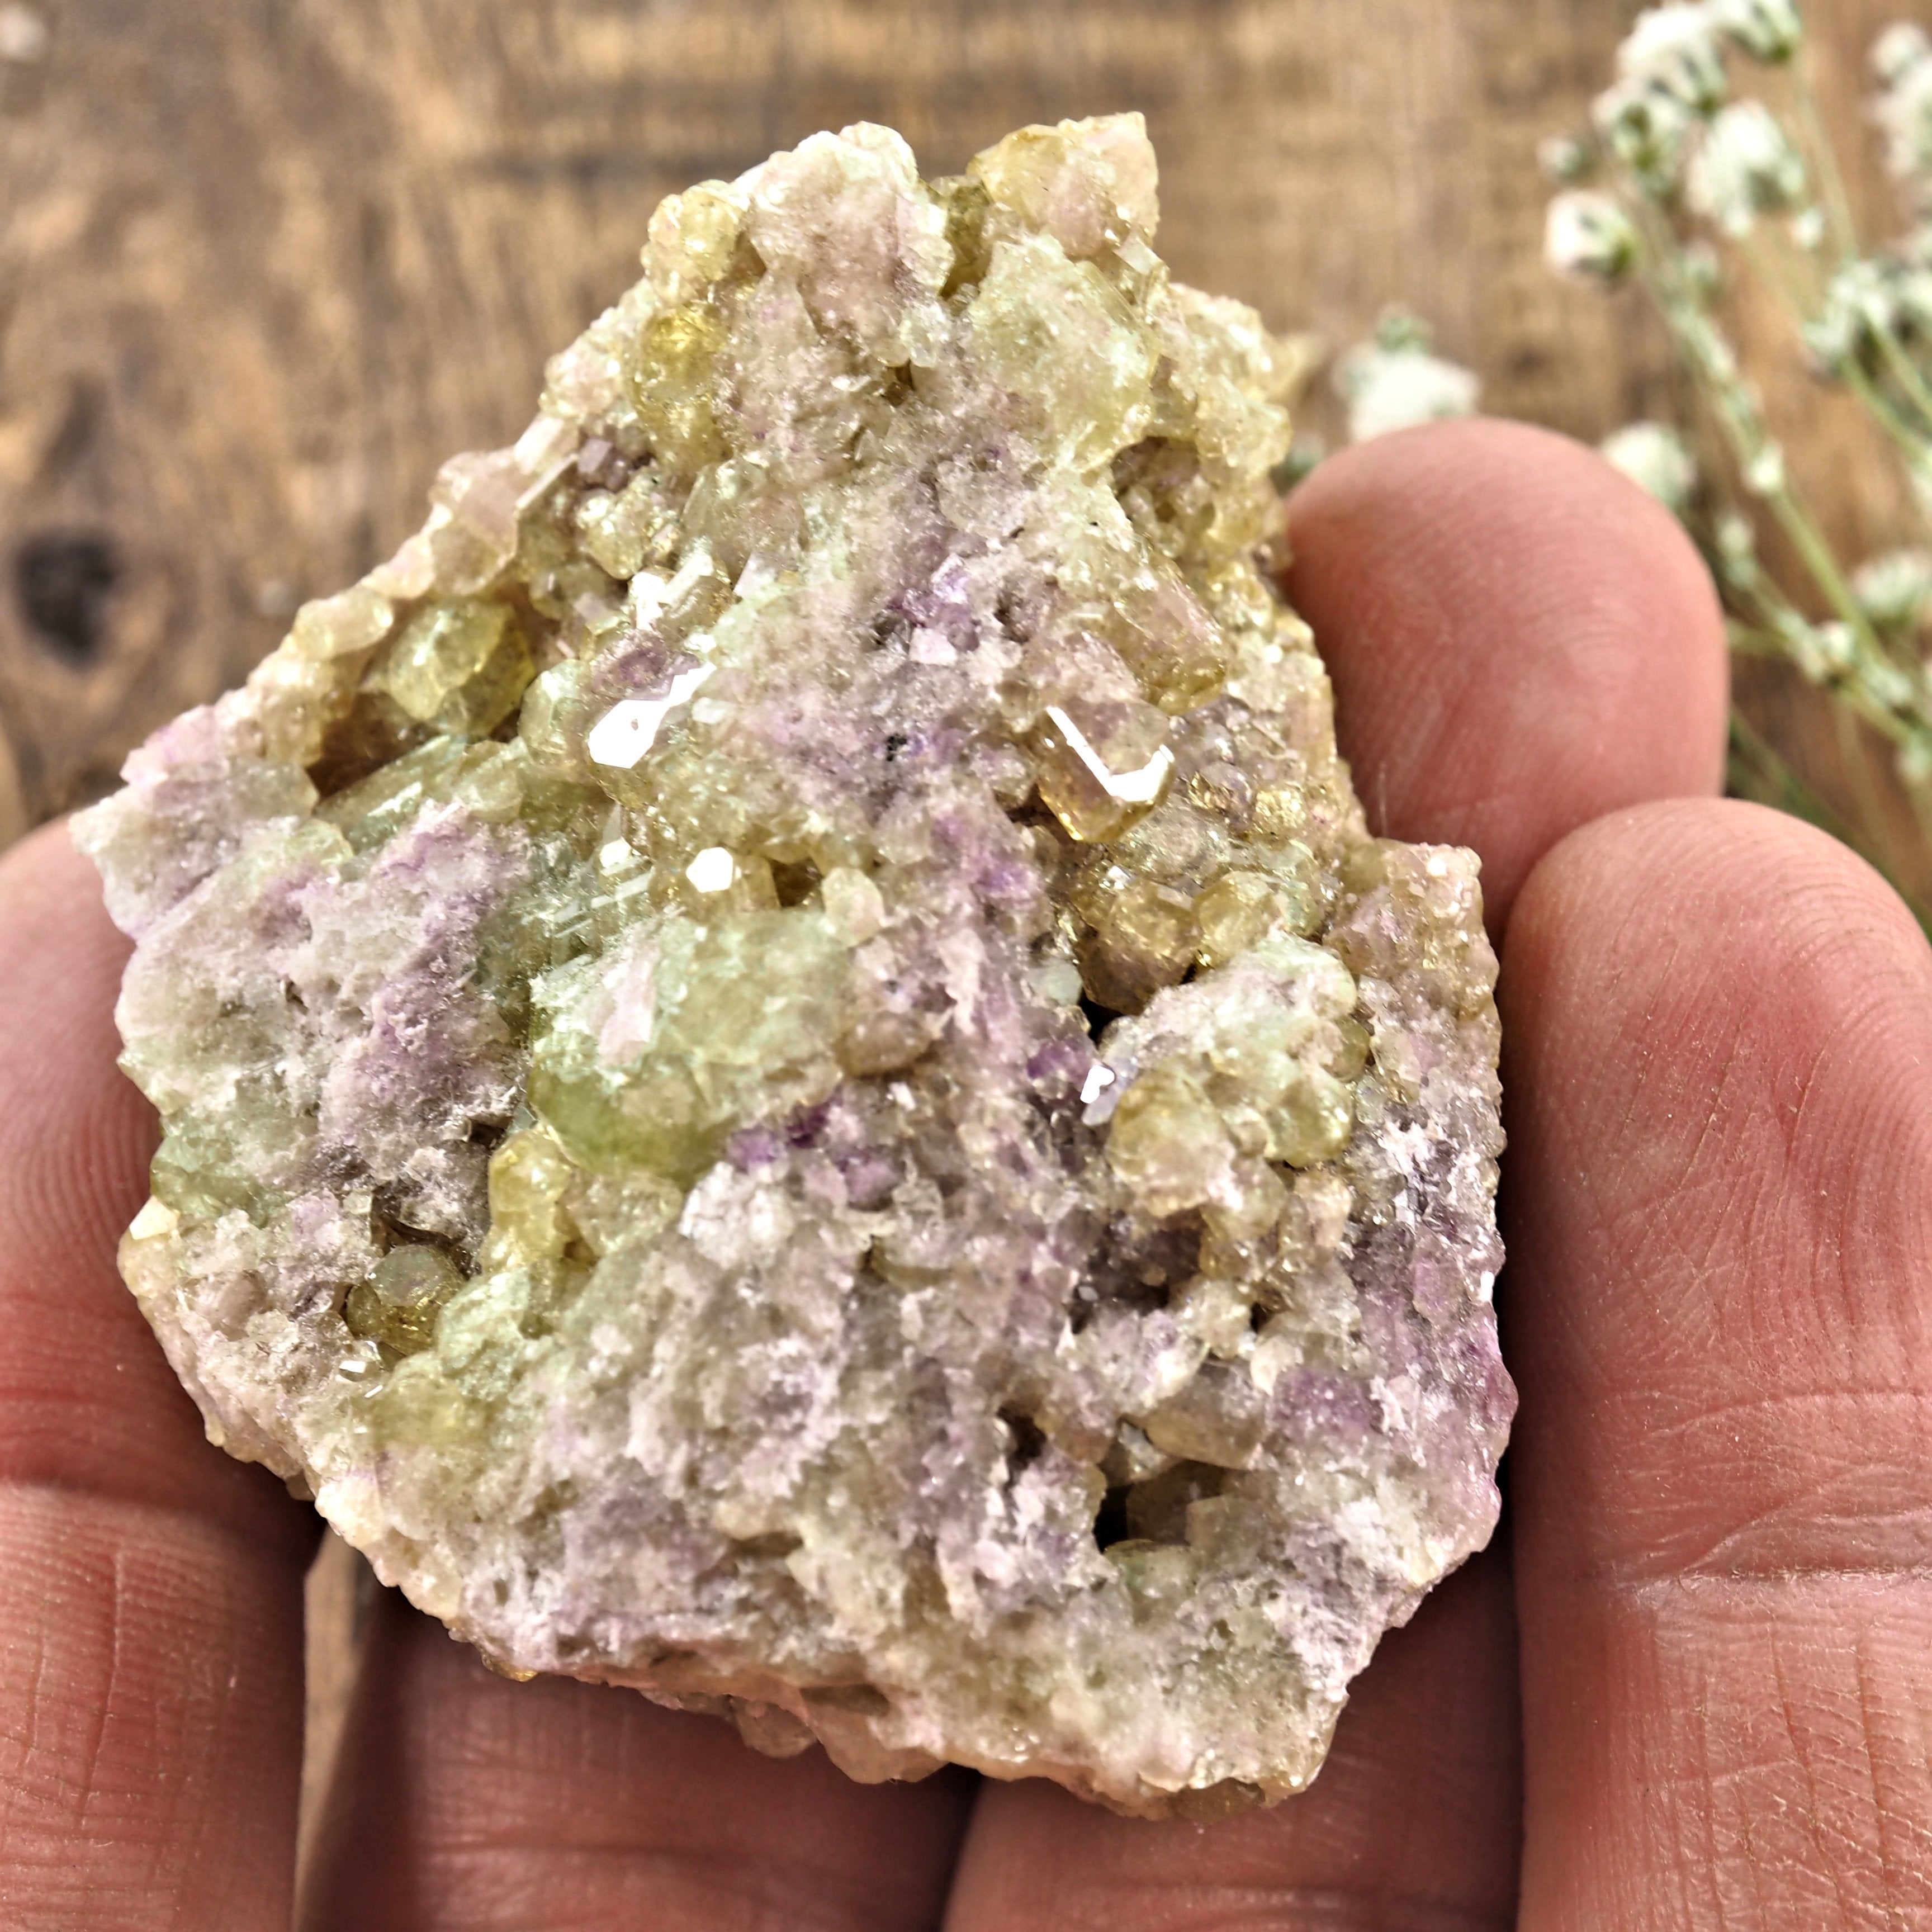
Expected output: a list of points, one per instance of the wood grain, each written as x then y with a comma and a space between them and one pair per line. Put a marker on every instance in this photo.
264, 263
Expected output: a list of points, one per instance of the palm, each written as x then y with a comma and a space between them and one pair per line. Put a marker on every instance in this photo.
1718, 1030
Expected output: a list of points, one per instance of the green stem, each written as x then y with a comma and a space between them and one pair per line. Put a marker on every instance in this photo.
1905, 371
1691, 326
1824, 160
1911, 444
1758, 772
1774, 773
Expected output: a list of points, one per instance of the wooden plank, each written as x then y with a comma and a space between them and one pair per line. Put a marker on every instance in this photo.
264, 263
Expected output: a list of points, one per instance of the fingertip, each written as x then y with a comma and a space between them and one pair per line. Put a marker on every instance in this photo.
1520, 639
150, 1668
1745, 911
1717, 1022
1718, 1025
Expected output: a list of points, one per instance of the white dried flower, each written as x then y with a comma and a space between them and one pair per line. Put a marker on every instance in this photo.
1902, 60
1910, 284
1822, 652
1898, 50
1895, 590
23, 34
1867, 299
1745, 165
1886, 683
1654, 457
1858, 305
1587, 234
1767, 30
1737, 542
1647, 128
1675, 48
1765, 474
1393, 382
1564, 159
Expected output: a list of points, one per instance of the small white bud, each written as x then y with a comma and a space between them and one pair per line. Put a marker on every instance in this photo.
1861, 303
1837, 646
1900, 48
1647, 127
1675, 48
1764, 472
1822, 652
1745, 165
1737, 543
1587, 234
1653, 456
1393, 382
1885, 683
1895, 590
1767, 30
1902, 61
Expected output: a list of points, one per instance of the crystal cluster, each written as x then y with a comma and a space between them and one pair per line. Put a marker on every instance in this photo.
790, 1076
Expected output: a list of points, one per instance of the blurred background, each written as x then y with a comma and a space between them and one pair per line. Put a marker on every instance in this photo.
265, 263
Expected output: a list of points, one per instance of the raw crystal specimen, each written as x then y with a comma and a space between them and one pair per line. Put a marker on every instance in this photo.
790, 1076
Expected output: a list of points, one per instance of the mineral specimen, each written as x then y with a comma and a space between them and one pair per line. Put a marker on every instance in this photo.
790, 1076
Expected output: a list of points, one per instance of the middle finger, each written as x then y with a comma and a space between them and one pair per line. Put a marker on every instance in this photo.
1519, 642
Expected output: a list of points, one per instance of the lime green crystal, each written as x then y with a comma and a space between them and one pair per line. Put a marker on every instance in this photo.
789, 1075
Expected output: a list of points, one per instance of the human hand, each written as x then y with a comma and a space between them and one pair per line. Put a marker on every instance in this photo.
1718, 1026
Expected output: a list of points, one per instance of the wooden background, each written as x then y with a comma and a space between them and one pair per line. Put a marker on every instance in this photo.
264, 263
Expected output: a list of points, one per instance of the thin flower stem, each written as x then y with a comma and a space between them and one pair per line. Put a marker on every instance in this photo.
1758, 772
1906, 373
1779, 620
1753, 640
1781, 284
1768, 764
1912, 444
1871, 807
1824, 160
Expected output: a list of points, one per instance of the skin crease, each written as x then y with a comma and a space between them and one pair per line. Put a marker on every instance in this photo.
1717, 1027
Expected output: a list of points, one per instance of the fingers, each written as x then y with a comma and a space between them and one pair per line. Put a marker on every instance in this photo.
150, 1588
467, 1804
1719, 1031
1519, 639
1412, 1823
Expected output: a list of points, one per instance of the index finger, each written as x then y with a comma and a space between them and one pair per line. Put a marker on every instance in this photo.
1519, 640
150, 1588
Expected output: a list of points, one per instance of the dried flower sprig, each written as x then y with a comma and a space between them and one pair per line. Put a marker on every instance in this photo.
1711, 138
